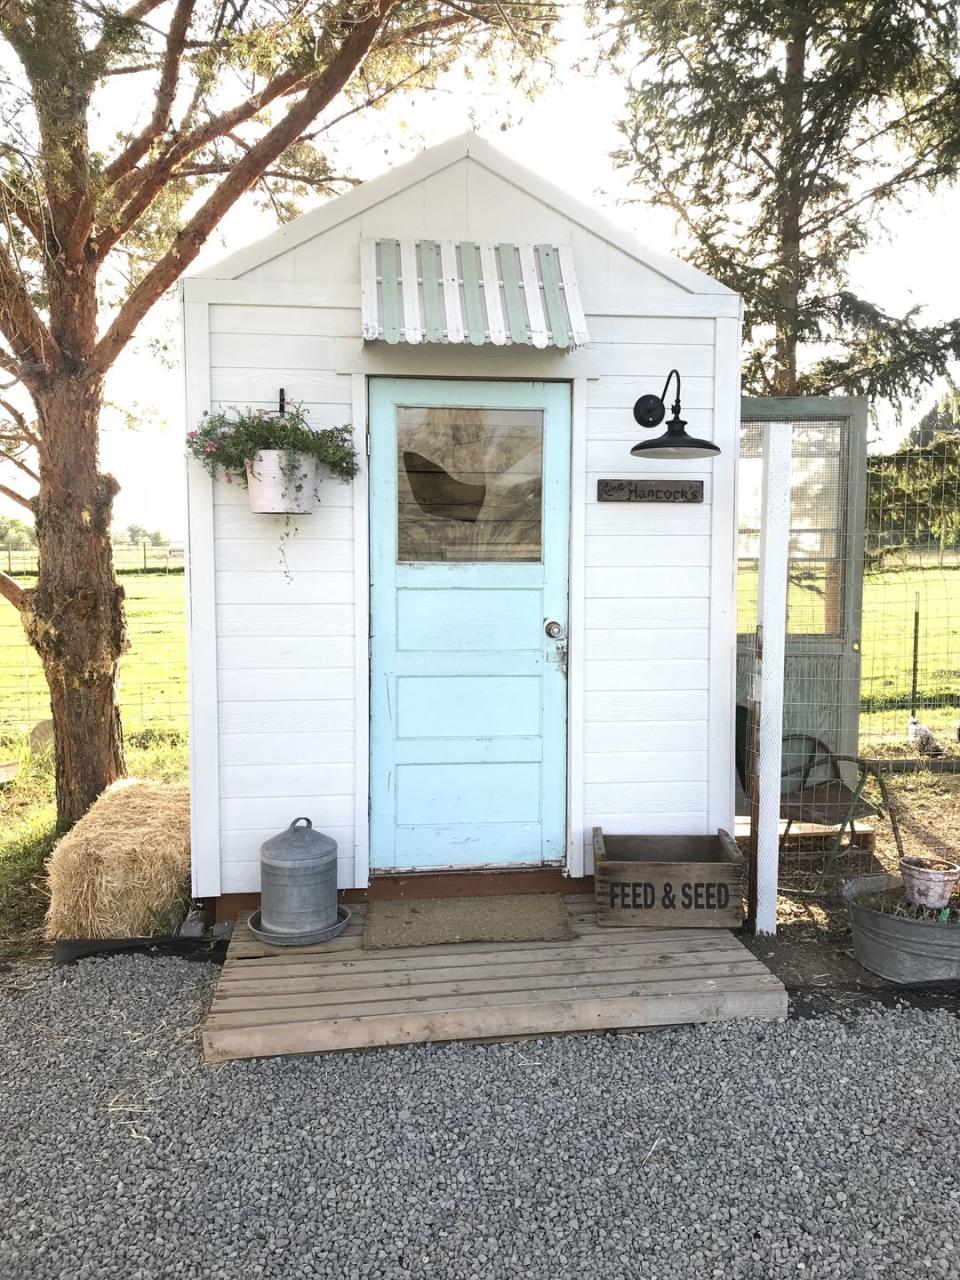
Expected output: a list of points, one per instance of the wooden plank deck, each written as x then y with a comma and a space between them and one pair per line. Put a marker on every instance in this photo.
283, 1000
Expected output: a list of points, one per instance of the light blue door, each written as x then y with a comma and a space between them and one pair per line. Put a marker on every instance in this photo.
469, 501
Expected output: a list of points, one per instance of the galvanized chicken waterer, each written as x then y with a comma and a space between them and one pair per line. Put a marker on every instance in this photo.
298, 888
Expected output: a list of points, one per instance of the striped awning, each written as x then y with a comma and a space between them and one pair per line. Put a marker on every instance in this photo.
442, 291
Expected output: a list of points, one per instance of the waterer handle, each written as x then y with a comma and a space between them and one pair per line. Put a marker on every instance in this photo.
293, 824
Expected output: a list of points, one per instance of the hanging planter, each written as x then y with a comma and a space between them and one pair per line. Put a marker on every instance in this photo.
276, 455
280, 482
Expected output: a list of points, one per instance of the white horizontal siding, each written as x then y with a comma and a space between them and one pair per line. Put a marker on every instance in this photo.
239, 781
271, 587
646, 643
645, 673
297, 716
618, 520
296, 652
677, 550
273, 813
641, 735
645, 766
285, 626
643, 581
312, 747
239, 385
313, 321
292, 555
269, 621
641, 798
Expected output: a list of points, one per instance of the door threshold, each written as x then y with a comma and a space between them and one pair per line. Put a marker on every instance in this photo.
473, 883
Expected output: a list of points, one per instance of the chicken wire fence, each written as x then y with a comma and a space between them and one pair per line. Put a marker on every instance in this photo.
871, 664
153, 673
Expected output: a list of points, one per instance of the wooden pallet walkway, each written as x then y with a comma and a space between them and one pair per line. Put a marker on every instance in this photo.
283, 1000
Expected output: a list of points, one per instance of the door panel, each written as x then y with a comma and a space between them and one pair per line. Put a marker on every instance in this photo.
469, 527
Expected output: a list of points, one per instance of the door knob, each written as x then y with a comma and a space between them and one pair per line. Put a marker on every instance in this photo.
554, 630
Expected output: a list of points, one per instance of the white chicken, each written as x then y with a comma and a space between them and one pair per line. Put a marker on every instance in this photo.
922, 738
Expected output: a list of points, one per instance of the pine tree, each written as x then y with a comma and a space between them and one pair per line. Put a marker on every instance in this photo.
942, 419
777, 133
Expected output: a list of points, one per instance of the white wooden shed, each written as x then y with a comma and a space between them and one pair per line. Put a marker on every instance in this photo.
399, 684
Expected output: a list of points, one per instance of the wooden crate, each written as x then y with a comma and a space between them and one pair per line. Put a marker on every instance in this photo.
668, 881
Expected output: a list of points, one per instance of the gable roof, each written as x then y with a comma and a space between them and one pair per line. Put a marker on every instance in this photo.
434, 160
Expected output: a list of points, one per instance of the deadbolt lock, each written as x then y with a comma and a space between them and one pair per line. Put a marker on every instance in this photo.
554, 630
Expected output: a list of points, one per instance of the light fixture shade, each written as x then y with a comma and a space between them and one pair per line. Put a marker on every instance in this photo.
675, 443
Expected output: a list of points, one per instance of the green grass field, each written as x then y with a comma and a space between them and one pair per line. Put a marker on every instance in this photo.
887, 640
153, 674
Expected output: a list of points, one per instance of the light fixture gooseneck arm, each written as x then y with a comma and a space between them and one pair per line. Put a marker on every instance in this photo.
675, 407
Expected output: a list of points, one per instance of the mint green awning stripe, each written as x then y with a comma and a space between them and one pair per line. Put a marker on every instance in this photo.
465, 292
434, 328
391, 303
474, 319
553, 295
513, 293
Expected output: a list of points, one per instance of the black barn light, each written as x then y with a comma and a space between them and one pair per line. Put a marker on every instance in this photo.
649, 411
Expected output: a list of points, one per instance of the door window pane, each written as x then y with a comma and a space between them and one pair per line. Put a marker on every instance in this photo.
469, 484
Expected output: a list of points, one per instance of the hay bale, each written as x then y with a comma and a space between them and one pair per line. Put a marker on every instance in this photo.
124, 870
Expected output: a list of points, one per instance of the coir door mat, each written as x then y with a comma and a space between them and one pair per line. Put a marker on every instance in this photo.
423, 922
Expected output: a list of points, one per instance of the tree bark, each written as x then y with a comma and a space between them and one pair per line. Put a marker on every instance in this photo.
74, 617
790, 212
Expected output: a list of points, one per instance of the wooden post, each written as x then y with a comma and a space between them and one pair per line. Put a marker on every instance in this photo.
768, 672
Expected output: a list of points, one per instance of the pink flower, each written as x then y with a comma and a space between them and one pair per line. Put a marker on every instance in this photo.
228, 476
211, 446
192, 435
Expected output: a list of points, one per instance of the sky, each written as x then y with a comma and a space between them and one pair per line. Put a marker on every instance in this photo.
566, 134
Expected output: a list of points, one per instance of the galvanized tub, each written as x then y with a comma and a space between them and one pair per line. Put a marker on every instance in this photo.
896, 948
298, 888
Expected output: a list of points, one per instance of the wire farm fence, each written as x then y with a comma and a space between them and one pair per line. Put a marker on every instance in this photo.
19, 558
872, 637
153, 673
911, 601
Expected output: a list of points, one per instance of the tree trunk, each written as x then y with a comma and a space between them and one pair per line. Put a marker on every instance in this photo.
790, 184
75, 617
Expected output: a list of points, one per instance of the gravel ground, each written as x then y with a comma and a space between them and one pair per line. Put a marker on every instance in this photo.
815, 1148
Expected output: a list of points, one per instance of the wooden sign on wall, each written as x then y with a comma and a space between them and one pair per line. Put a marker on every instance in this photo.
649, 490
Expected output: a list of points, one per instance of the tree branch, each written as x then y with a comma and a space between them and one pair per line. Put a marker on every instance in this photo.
166, 92
154, 174
246, 172
31, 340
12, 592
23, 430
18, 462
16, 497
25, 214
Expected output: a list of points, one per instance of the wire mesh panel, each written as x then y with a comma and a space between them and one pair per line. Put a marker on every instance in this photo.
910, 690
153, 673
820, 791
871, 679
911, 610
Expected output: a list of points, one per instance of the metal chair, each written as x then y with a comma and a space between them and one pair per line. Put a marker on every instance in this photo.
813, 789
